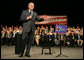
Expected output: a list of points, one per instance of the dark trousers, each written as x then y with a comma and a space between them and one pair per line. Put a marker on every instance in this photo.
17, 44
72, 42
27, 38
8, 41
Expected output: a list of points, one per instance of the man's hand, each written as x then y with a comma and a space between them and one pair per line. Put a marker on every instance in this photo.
42, 19
29, 17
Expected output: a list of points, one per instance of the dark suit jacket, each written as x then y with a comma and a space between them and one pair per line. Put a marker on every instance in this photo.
29, 25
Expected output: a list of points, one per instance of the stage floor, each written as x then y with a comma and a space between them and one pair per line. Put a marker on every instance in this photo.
8, 52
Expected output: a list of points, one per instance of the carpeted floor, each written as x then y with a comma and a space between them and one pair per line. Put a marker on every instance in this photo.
8, 52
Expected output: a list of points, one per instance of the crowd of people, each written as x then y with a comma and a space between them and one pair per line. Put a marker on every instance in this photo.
10, 34
73, 36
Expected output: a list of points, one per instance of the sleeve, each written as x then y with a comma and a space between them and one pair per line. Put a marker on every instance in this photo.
23, 16
39, 19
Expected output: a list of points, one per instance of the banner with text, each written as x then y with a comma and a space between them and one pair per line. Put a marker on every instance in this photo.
48, 19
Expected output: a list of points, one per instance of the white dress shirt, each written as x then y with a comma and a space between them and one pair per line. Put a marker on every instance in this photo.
30, 14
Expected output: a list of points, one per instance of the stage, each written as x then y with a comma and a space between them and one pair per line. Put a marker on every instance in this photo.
8, 52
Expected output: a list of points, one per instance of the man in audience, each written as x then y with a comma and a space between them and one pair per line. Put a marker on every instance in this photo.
46, 29
2, 37
74, 36
55, 39
8, 36
67, 41
79, 41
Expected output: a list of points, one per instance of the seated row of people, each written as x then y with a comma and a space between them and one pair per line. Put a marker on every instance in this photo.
71, 38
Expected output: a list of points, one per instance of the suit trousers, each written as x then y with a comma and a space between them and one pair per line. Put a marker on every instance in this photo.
27, 39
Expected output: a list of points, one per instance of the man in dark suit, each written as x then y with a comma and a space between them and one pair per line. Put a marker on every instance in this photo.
28, 17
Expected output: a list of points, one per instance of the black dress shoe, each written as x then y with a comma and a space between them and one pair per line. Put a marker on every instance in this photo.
27, 55
21, 55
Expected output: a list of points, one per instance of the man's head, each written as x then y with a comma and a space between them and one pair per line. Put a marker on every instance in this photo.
31, 5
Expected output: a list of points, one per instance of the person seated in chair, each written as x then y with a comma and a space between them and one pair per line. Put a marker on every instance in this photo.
79, 41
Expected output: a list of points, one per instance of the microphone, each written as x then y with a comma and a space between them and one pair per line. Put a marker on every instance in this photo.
31, 13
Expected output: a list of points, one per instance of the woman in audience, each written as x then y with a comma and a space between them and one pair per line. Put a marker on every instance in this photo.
73, 35
37, 37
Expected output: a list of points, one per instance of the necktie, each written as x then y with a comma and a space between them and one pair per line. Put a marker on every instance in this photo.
31, 13
78, 37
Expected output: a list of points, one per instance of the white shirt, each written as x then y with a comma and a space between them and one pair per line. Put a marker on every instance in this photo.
31, 13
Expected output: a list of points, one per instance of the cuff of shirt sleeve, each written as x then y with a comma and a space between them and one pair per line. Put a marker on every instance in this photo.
27, 18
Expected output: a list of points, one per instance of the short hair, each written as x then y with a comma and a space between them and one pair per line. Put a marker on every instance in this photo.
29, 3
